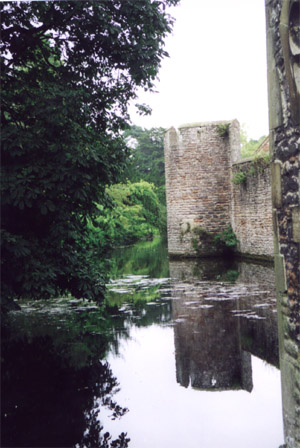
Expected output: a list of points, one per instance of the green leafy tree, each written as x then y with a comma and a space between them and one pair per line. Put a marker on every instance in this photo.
249, 146
147, 161
68, 71
134, 215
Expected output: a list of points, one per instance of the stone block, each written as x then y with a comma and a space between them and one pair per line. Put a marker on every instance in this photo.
280, 274
276, 170
274, 93
296, 223
292, 349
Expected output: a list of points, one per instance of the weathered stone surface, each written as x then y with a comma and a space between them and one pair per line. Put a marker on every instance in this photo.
276, 190
251, 210
296, 224
291, 348
197, 161
283, 48
201, 198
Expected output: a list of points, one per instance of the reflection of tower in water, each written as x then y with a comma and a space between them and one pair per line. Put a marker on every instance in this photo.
209, 332
207, 344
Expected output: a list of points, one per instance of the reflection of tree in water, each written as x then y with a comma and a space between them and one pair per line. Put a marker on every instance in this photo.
47, 401
54, 385
150, 258
92, 439
140, 313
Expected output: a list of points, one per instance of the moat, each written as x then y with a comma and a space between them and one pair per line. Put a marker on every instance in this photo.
187, 356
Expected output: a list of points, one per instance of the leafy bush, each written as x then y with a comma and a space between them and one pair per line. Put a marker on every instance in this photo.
249, 146
61, 131
135, 214
223, 129
258, 164
222, 243
227, 237
239, 178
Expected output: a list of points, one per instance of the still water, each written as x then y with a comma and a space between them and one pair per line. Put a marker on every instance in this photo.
186, 357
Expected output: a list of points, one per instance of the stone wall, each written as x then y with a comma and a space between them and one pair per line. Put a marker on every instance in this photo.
251, 209
202, 200
197, 163
283, 50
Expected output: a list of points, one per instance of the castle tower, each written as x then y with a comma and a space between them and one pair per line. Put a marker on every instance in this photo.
197, 162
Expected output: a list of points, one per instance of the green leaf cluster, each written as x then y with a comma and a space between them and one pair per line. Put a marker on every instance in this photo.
134, 215
239, 177
227, 238
223, 129
258, 164
147, 163
222, 242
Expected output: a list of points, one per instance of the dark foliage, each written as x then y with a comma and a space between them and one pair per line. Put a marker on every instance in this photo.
48, 402
69, 70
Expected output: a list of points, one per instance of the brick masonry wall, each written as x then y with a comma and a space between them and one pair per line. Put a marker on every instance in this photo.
251, 210
197, 163
201, 198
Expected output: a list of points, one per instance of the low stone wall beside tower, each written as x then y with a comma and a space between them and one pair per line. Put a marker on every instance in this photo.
251, 208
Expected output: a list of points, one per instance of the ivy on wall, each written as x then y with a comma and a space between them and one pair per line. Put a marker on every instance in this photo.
221, 242
242, 171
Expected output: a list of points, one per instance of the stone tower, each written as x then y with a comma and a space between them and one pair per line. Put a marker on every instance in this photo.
198, 158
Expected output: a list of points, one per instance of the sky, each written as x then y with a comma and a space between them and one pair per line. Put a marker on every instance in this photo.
217, 67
